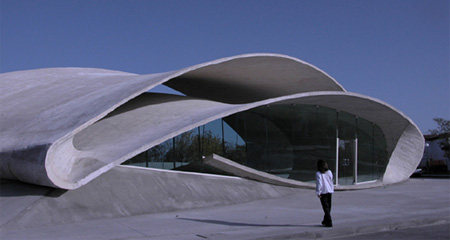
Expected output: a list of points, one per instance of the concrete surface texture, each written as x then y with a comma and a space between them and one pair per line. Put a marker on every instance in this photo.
423, 203
65, 127
126, 191
240, 170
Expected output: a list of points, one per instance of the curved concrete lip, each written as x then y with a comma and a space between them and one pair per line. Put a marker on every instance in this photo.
79, 123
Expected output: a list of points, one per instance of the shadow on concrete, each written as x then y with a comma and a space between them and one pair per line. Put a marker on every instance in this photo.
11, 188
240, 224
146, 99
425, 174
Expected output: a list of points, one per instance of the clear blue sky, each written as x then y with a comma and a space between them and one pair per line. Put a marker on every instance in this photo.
393, 50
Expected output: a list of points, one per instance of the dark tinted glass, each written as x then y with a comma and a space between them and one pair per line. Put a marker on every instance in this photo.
282, 139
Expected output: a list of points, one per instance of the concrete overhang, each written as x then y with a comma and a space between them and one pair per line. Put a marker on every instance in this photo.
64, 127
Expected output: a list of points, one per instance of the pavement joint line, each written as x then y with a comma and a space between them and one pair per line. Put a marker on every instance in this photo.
131, 228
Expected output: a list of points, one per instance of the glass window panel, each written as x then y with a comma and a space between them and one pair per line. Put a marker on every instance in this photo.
346, 153
211, 138
185, 149
304, 143
326, 136
285, 140
366, 164
234, 144
159, 154
347, 126
139, 160
379, 151
256, 134
279, 121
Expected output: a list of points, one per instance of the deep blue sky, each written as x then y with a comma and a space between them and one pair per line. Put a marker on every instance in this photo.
393, 50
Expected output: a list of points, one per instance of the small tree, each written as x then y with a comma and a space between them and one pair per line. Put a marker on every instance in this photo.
444, 129
443, 126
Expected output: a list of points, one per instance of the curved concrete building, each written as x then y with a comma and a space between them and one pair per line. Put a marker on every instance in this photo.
267, 117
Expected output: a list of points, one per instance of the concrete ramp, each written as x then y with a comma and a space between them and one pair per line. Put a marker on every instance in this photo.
126, 191
240, 170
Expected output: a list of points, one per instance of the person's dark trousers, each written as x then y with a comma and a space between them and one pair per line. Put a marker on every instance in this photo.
325, 200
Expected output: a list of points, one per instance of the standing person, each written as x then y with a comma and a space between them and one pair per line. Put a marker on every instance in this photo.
324, 189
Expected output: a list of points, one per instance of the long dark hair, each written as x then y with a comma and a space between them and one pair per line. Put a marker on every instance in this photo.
322, 166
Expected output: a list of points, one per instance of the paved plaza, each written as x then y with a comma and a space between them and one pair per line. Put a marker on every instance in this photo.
417, 203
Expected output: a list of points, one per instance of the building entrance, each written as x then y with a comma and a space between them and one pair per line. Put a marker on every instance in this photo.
346, 162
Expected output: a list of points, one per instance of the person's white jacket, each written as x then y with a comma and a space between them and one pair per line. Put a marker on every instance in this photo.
324, 182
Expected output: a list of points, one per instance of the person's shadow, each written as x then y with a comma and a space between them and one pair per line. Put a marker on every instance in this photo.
240, 224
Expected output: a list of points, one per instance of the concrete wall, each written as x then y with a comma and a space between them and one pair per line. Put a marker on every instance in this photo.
410, 146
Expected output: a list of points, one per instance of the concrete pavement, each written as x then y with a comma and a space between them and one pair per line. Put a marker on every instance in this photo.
436, 231
415, 203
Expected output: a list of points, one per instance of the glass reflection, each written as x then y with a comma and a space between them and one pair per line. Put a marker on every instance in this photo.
282, 139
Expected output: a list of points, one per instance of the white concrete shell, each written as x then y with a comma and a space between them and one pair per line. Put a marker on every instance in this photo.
64, 127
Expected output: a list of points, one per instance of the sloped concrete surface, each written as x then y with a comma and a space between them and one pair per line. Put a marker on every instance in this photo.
240, 170
415, 203
126, 191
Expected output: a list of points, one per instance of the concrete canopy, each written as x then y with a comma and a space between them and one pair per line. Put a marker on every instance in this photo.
63, 127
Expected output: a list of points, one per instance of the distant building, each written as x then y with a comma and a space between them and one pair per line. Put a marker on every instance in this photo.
269, 113
434, 157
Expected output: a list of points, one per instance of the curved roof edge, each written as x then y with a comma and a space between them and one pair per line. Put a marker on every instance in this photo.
92, 148
252, 77
61, 108
405, 142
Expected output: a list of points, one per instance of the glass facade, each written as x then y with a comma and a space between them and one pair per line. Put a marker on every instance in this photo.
282, 139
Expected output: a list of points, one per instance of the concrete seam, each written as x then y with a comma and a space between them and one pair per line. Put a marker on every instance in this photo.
22, 213
125, 225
